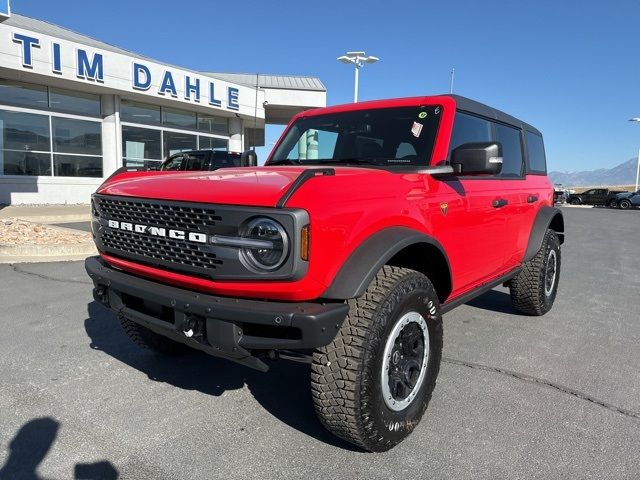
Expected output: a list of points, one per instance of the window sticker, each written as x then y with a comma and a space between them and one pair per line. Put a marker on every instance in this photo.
416, 129
437, 110
422, 115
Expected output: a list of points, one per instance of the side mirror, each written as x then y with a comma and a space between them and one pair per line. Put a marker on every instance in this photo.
249, 159
482, 158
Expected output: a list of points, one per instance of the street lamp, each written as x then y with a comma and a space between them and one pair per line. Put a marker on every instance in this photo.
358, 59
637, 119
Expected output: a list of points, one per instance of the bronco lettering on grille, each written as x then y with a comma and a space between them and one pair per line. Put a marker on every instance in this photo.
158, 231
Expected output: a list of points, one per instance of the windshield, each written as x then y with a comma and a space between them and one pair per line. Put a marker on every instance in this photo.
384, 137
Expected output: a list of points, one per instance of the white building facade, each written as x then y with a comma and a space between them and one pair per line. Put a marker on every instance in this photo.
73, 110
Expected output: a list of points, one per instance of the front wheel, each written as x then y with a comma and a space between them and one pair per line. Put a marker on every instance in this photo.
575, 201
372, 384
612, 203
624, 204
533, 289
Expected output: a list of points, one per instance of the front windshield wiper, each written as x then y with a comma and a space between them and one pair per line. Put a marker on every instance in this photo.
355, 161
286, 161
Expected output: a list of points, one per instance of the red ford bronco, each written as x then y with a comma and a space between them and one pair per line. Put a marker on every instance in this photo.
366, 224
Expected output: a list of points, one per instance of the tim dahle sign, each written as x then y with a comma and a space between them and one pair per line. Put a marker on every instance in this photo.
110, 68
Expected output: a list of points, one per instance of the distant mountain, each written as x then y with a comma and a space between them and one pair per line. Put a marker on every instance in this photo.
623, 174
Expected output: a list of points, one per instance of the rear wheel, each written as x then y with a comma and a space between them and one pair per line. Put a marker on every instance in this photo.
372, 384
624, 204
150, 340
534, 289
575, 201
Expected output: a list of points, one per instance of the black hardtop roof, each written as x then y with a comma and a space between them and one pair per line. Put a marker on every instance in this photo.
190, 152
471, 106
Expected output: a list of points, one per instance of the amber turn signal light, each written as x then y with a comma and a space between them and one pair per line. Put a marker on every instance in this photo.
305, 241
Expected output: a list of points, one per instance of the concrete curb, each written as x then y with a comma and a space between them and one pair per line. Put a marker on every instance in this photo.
47, 219
46, 253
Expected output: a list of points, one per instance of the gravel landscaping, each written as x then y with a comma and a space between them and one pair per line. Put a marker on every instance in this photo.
14, 231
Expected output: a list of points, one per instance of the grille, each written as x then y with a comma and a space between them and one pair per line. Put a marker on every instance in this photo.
182, 253
177, 255
171, 216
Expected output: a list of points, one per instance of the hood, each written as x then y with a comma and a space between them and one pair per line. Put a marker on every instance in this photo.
254, 186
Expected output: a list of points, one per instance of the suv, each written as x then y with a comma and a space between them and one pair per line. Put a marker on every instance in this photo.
627, 200
200, 160
595, 196
367, 223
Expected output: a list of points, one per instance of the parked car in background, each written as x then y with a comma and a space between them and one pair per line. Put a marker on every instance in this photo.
627, 200
595, 196
560, 194
195, 160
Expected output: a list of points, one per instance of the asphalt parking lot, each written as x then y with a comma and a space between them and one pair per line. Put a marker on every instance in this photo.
517, 397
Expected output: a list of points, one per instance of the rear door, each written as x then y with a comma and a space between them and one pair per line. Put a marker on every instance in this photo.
589, 196
514, 189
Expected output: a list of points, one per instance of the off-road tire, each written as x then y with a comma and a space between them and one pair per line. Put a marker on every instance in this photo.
528, 286
346, 375
150, 340
624, 204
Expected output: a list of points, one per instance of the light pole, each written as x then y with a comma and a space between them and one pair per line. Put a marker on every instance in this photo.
358, 59
637, 119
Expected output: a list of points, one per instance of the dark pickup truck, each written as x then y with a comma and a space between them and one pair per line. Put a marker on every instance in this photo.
595, 196
201, 160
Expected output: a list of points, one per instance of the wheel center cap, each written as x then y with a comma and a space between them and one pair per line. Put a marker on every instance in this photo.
395, 358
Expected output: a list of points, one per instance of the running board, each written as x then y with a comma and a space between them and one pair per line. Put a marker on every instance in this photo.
467, 297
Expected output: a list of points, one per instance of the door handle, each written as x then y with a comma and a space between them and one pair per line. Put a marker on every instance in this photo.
532, 199
501, 202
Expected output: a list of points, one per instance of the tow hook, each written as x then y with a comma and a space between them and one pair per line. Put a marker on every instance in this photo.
193, 326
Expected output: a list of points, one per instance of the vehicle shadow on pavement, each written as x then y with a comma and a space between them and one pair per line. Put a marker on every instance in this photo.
494, 301
30, 447
198, 371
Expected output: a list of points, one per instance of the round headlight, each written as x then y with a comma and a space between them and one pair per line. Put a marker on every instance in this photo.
271, 244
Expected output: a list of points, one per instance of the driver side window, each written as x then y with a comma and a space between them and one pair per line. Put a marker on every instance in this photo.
174, 163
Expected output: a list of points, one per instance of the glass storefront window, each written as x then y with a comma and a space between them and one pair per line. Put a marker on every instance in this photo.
77, 166
178, 118
74, 102
139, 112
175, 142
209, 143
23, 94
76, 136
140, 144
211, 124
24, 131
24, 163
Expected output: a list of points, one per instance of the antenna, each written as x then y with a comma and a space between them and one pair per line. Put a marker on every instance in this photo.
453, 75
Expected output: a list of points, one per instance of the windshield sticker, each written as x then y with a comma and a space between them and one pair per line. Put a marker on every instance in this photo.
422, 115
437, 110
416, 129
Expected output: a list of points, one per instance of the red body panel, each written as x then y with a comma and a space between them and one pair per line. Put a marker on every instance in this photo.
481, 242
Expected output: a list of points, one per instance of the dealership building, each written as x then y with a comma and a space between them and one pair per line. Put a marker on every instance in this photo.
74, 109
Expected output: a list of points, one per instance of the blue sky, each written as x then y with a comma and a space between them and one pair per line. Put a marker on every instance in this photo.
570, 68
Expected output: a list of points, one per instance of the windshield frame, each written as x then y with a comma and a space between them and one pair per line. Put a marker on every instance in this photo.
422, 161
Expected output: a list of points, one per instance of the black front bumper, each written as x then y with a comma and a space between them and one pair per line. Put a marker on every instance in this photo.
226, 327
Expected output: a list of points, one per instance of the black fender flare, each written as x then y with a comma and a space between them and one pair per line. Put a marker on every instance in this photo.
547, 217
371, 255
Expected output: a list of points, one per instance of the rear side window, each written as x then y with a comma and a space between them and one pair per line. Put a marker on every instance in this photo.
509, 137
535, 152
